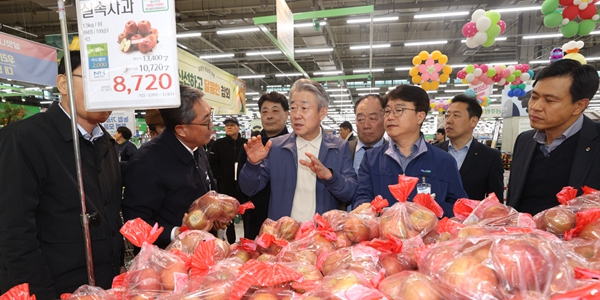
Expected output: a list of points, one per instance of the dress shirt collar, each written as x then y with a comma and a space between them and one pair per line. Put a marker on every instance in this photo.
316, 143
468, 145
96, 131
540, 136
359, 144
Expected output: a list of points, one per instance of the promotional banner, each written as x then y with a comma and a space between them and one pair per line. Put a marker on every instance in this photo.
120, 118
27, 61
492, 111
223, 91
515, 106
285, 28
129, 54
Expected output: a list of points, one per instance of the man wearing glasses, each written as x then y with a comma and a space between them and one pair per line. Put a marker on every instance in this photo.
369, 125
171, 171
408, 153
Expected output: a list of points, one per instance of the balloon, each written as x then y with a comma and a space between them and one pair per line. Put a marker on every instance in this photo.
475, 81
469, 69
530, 73
414, 71
502, 25
525, 76
447, 69
441, 109
445, 102
470, 93
488, 81
477, 72
576, 56
494, 31
483, 23
549, 6
416, 79
511, 68
588, 13
565, 2
464, 81
426, 85
434, 85
521, 86
416, 61
498, 69
517, 73
506, 73
423, 55
586, 27
491, 72
502, 81
477, 15
517, 81
569, 30
510, 78
497, 78
470, 77
493, 15
524, 67
479, 101
461, 74
443, 59
471, 43
469, 29
444, 77
511, 93
490, 41
436, 54
553, 20
570, 12
432, 105
480, 38
484, 68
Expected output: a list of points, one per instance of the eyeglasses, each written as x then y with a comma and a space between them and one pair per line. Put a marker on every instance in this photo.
397, 111
201, 124
373, 118
77, 75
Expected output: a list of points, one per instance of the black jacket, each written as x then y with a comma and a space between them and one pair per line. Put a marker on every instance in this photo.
41, 239
161, 182
482, 172
584, 171
223, 157
253, 218
126, 150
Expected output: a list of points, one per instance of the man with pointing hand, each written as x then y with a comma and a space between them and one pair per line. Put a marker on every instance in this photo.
309, 169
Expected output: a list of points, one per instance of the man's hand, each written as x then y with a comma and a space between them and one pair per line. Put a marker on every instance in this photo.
255, 150
220, 225
317, 167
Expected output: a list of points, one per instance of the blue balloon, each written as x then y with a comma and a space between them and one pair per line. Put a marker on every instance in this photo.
470, 93
511, 93
523, 93
530, 73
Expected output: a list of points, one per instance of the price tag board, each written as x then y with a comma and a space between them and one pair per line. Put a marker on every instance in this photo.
128, 53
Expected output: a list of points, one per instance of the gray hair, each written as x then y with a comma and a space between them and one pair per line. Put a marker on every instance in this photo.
313, 87
185, 113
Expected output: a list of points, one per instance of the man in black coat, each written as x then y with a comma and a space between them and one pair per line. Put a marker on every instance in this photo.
165, 176
480, 166
125, 148
274, 113
563, 148
41, 236
223, 158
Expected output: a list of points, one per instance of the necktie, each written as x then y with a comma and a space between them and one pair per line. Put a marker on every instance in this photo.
367, 148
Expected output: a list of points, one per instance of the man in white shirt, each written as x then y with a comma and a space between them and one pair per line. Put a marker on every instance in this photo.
309, 169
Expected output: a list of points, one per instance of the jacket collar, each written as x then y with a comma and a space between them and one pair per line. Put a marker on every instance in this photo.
327, 143
175, 145
63, 123
263, 134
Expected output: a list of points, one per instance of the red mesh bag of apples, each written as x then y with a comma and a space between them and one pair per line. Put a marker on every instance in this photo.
491, 212
351, 228
502, 266
262, 274
153, 270
311, 276
213, 207
360, 258
188, 240
345, 285
410, 285
587, 252
587, 225
274, 235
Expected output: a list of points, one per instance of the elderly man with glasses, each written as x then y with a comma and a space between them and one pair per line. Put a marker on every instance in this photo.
165, 176
409, 154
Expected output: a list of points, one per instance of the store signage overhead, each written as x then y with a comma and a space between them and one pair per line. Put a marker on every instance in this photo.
129, 54
285, 28
223, 91
26, 61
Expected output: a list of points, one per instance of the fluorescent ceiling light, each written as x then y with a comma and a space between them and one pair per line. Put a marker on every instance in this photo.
209, 56
458, 66
368, 71
251, 76
288, 75
365, 94
499, 39
337, 90
251, 104
539, 61
518, 9
592, 58
503, 63
256, 53
251, 93
368, 46
328, 73
368, 89
375, 20
403, 68
454, 91
426, 43
299, 25
49, 87
313, 50
188, 34
431, 92
46, 102
339, 95
597, 31
255, 98
347, 101
542, 36
461, 84
237, 30
445, 14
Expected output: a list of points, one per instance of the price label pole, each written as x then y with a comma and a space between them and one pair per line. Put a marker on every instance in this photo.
85, 218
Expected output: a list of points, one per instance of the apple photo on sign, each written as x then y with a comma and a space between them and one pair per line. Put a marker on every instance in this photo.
138, 36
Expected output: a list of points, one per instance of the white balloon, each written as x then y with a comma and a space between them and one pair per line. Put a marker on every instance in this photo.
583, 6
480, 37
502, 81
477, 72
579, 44
525, 76
471, 43
511, 68
565, 21
596, 17
477, 15
483, 24
470, 77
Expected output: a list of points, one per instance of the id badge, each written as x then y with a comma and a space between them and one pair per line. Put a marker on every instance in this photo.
424, 188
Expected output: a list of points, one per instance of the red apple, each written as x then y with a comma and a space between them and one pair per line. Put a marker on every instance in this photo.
336, 261
167, 275
355, 229
392, 264
146, 279
263, 296
122, 35
309, 272
154, 32
268, 226
197, 220
287, 228
497, 214
136, 39
342, 241
527, 295
591, 231
521, 264
558, 220
267, 257
409, 285
144, 27
131, 28
321, 245
422, 219
470, 277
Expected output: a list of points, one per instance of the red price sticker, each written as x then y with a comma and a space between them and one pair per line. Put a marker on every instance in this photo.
148, 82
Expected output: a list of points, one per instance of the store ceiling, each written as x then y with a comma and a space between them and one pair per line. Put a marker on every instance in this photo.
208, 17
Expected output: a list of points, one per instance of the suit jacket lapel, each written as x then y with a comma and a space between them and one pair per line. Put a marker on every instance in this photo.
586, 150
524, 160
471, 158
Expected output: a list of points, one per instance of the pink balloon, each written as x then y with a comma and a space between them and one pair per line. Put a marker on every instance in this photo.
524, 68
476, 66
461, 74
498, 69
517, 67
469, 29
475, 81
484, 68
502, 25
505, 73
517, 81
434, 76
488, 81
497, 77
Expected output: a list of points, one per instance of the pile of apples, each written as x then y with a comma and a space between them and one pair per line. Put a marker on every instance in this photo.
138, 36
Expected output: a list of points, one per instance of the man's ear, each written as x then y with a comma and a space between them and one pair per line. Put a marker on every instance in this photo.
581, 105
323, 113
421, 115
180, 130
61, 84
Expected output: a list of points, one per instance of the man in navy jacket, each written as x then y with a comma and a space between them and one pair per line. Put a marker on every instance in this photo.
309, 169
408, 153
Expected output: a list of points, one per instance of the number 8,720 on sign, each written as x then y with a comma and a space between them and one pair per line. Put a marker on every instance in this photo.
147, 82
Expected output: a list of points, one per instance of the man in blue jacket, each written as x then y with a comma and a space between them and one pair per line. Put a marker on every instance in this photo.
408, 153
309, 169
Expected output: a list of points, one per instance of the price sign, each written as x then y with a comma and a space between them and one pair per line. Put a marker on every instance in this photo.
128, 54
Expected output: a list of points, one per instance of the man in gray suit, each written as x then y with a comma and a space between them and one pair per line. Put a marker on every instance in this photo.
369, 125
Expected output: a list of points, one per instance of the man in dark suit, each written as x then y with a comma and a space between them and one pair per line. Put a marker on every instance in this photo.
369, 125
274, 113
41, 236
563, 148
480, 166
346, 131
165, 176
